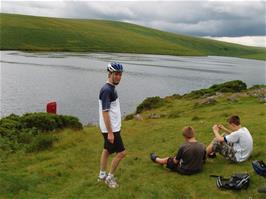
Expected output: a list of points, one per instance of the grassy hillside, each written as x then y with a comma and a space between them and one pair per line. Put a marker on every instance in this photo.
70, 168
20, 32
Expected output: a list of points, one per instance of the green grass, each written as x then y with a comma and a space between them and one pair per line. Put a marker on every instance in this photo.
29, 33
70, 168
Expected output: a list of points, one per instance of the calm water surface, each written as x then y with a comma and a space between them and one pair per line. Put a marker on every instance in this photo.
30, 80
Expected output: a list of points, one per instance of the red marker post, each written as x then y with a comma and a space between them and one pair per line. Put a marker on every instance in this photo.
51, 107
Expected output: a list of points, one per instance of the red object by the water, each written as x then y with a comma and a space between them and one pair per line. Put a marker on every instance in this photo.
51, 107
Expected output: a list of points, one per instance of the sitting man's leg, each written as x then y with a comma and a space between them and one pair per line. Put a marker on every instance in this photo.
224, 149
168, 161
210, 153
212, 147
209, 149
158, 160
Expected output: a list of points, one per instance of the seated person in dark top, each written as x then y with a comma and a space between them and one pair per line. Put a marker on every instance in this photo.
189, 158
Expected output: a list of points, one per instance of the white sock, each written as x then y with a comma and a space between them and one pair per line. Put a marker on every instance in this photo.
110, 175
102, 173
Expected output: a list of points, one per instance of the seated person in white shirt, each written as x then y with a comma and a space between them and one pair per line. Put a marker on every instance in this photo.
237, 143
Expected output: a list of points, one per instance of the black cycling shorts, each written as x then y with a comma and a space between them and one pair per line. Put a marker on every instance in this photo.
117, 146
171, 165
175, 167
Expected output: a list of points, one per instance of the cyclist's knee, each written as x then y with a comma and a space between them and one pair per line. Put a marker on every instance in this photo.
122, 154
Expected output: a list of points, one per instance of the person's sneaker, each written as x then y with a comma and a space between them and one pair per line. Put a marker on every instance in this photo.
111, 182
153, 157
212, 155
101, 178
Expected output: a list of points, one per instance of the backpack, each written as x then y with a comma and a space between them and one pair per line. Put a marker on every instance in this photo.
259, 167
237, 181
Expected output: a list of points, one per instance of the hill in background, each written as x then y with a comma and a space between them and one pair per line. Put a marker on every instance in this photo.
30, 33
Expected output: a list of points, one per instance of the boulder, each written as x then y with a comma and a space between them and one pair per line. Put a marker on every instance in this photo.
207, 101
138, 117
154, 116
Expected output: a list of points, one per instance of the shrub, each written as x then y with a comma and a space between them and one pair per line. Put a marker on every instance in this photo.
25, 137
59, 119
49, 122
13, 117
5, 132
41, 121
231, 86
11, 134
22, 132
129, 117
71, 122
41, 142
257, 86
200, 93
9, 123
4, 144
150, 103
176, 96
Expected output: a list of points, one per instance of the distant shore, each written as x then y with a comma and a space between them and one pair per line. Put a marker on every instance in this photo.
44, 34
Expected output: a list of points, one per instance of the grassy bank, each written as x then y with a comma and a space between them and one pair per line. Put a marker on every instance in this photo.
29, 33
69, 169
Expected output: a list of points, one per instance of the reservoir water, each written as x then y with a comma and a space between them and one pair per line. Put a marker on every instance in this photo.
30, 80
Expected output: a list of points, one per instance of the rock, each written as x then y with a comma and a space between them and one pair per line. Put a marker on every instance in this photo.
138, 117
260, 92
262, 99
207, 101
233, 98
153, 116
218, 94
206, 95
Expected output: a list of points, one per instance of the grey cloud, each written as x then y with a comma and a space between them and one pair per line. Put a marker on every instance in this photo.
202, 18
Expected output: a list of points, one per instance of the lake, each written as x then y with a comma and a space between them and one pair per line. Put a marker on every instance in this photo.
30, 80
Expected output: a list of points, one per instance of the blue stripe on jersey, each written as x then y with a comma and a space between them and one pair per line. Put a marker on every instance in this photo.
107, 95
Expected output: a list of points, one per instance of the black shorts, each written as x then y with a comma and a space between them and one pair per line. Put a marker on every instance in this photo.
171, 165
117, 146
175, 167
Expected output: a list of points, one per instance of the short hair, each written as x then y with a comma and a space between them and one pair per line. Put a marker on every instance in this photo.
188, 132
234, 119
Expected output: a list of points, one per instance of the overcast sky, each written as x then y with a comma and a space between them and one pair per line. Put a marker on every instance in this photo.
234, 21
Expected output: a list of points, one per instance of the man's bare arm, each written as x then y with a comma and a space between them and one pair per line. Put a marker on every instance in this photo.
227, 131
218, 137
108, 126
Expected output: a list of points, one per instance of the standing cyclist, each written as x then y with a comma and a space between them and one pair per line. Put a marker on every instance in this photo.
110, 124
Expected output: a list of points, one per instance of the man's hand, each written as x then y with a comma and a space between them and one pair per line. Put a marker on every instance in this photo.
215, 128
111, 137
218, 137
221, 127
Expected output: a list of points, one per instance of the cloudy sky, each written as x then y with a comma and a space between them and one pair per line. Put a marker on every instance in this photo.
234, 21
